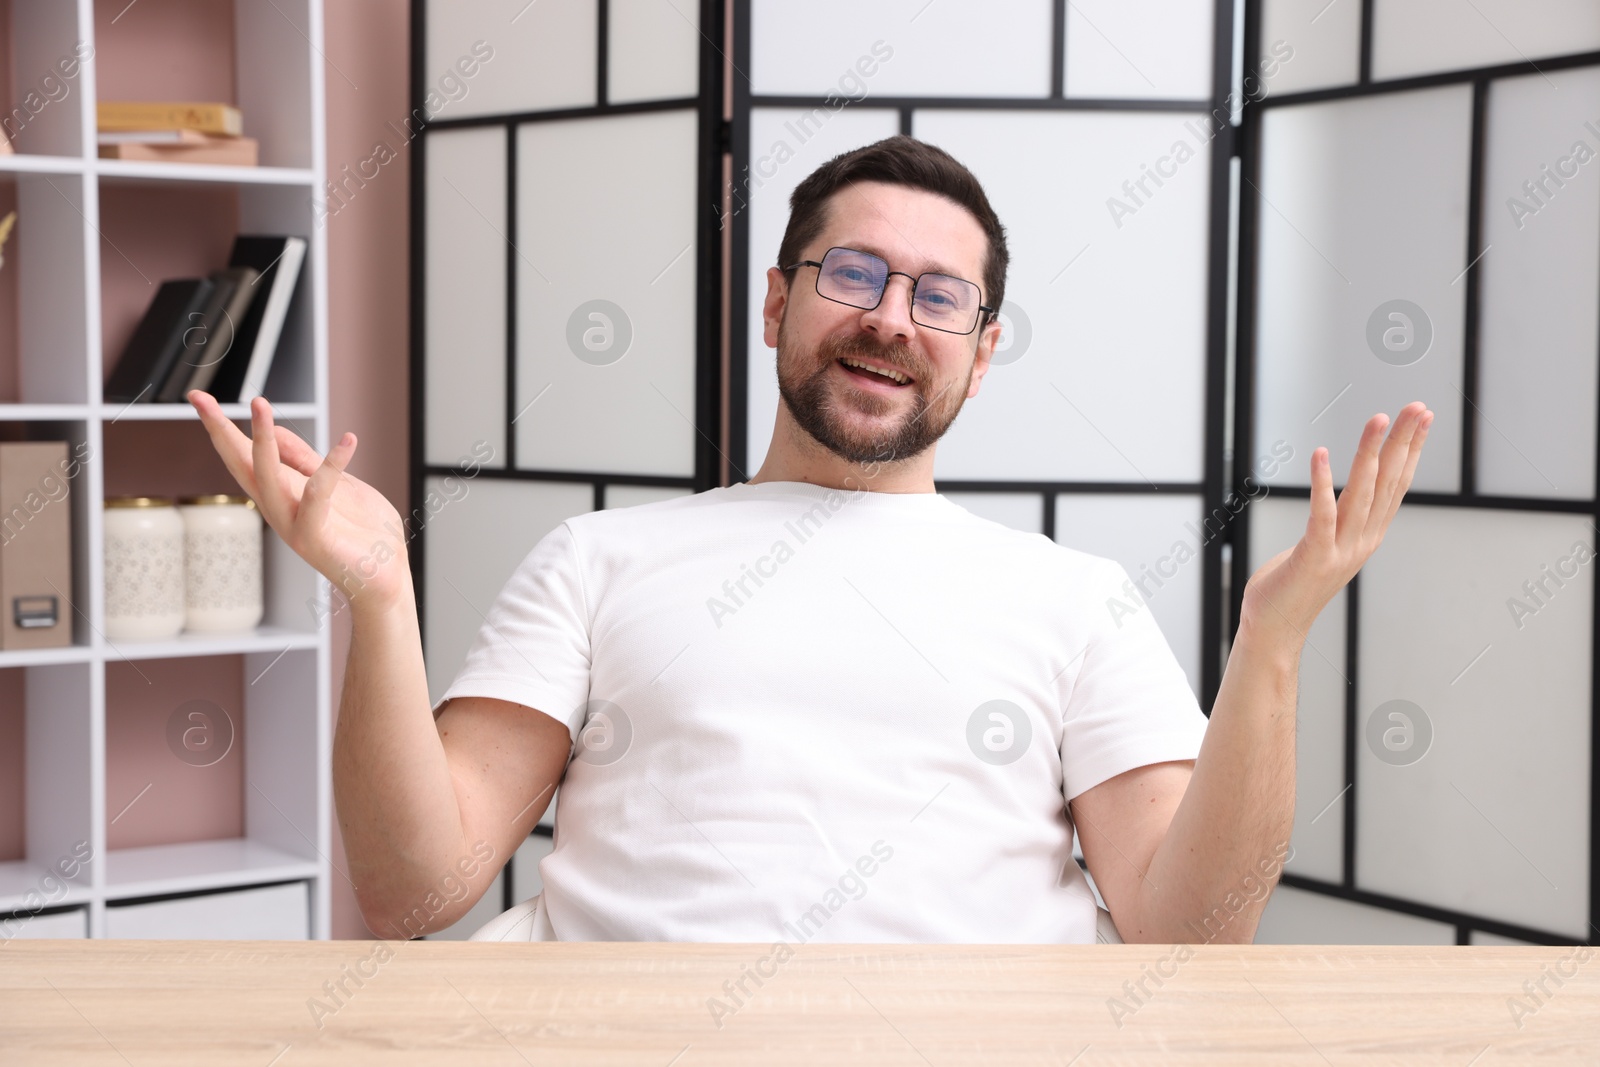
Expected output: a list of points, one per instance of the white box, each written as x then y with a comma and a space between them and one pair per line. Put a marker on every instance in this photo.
58, 924
266, 913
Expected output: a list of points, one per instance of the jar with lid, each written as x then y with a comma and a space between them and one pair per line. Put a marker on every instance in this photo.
222, 562
143, 568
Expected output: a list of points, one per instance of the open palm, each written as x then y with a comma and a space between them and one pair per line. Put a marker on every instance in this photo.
339, 524
1289, 590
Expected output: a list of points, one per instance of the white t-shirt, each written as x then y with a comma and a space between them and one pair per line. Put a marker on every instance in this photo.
808, 714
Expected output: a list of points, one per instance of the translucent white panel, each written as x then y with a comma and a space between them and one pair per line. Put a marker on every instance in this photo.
606, 294
786, 145
1478, 937
1159, 48
1422, 36
1309, 46
850, 51
465, 292
1537, 340
479, 531
1303, 917
494, 56
1159, 541
1277, 523
1492, 818
1109, 384
627, 496
1364, 205
654, 50
1020, 511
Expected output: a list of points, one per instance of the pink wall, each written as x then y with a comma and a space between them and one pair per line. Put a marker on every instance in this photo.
368, 338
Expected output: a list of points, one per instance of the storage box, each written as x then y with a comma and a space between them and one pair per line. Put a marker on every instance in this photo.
35, 545
263, 913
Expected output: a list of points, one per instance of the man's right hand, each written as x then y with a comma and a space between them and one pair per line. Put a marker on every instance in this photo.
339, 524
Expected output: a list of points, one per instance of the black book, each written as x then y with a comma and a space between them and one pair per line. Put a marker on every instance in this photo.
210, 334
157, 343
277, 260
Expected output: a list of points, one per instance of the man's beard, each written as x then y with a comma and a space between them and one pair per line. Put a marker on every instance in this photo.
821, 409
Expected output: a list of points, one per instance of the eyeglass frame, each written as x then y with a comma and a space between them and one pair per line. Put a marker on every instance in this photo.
915, 280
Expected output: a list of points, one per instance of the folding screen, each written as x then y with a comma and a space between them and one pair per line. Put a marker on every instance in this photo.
1405, 191
1420, 222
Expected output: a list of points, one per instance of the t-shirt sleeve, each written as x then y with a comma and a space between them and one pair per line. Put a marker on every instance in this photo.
1130, 703
533, 646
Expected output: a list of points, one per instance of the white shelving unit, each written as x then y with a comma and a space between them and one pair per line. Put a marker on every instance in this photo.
57, 261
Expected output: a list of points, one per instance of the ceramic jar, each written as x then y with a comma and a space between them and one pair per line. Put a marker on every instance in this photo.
144, 570
222, 562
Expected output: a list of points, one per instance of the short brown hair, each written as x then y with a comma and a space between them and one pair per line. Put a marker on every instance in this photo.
898, 160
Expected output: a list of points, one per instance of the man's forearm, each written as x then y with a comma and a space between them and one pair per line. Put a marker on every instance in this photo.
393, 790
1210, 878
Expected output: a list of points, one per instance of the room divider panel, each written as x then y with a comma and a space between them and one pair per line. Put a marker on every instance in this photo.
1237, 231
1420, 222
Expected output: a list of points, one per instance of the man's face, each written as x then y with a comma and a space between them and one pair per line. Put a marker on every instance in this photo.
860, 416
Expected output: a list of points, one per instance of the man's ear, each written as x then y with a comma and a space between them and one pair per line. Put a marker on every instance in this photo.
772, 307
982, 359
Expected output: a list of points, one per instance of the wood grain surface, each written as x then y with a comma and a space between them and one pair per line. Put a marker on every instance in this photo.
286, 1004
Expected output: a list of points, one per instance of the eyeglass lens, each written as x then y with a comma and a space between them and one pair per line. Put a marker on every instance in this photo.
857, 278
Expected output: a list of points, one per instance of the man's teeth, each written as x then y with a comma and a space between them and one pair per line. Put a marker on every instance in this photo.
895, 375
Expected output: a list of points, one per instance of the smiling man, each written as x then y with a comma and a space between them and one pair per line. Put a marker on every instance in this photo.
827, 703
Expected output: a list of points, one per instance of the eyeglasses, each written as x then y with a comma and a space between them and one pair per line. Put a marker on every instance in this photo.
858, 279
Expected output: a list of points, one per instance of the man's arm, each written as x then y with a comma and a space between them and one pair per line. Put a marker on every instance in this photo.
421, 802
430, 811
1188, 851
1195, 873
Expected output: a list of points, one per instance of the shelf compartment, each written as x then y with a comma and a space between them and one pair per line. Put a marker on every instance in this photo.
154, 231
42, 100
257, 56
44, 332
45, 727
234, 804
80, 487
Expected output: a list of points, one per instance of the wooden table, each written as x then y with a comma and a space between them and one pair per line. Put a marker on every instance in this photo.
167, 1003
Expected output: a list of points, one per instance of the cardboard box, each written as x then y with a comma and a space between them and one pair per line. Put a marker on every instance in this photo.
35, 545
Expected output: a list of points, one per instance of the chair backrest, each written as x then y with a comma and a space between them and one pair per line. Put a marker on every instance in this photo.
1105, 931
524, 922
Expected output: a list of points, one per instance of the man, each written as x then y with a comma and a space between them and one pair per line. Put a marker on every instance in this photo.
828, 703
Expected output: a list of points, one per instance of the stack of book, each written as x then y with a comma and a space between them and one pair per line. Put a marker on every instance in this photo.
217, 333
174, 132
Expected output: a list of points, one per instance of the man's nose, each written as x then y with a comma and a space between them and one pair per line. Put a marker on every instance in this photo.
891, 319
